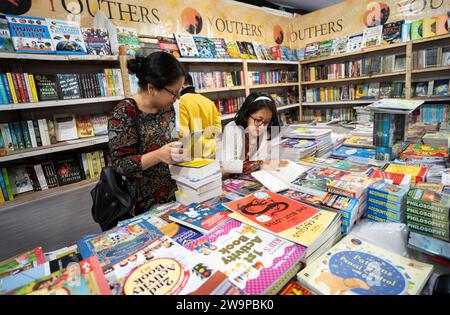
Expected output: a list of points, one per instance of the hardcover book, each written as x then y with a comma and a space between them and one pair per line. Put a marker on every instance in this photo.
312, 50
355, 42
205, 47
262, 269
66, 37
85, 128
163, 267
29, 34
128, 37
372, 36
186, 44
68, 86
325, 48
97, 41
47, 87
392, 32
68, 171
340, 45
343, 270
169, 45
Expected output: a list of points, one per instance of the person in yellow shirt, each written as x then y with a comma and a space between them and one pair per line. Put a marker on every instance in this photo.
199, 121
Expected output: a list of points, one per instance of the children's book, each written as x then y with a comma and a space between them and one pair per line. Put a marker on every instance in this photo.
205, 47
20, 180
66, 37
293, 288
128, 37
186, 45
392, 32
220, 48
233, 48
116, 244
85, 278
21, 262
169, 45
312, 50
355, 42
6, 44
97, 41
30, 34
164, 267
326, 48
340, 45
180, 234
200, 217
372, 36
262, 268
355, 266
416, 29
344, 152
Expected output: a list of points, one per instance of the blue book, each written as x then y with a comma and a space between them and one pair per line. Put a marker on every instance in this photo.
13, 282
384, 205
3, 187
13, 136
3, 94
386, 214
4, 79
180, 234
8, 141
344, 152
100, 83
30, 34
66, 37
387, 192
200, 217
19, 135
118, 243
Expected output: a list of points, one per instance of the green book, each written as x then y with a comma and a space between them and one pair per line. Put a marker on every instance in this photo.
19, 135
8, 185
26, 134
13, 136
416, 29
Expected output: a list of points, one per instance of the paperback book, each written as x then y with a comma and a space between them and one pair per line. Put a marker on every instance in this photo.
30, 34
66, 37
186, 45
97, 41
6, 44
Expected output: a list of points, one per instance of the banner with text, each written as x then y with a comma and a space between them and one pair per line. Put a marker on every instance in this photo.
353, 16
222, 19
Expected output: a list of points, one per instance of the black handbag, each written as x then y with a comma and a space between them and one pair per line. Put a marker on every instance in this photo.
112, 197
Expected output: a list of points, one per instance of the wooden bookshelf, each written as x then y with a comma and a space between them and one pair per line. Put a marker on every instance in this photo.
55, 57
430, 39
432, 69
222, 89
59, 103
271, 62
207, 60
263, 86
368, 77
58, 147
355, 103
33, 196
289, 106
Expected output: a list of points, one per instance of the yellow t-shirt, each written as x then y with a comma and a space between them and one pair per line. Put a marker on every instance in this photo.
198, 113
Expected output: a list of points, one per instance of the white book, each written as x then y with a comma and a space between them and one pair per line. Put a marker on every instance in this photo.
85, 165
102, 159
196, 184
20, 180
42, 132
354, 42
186, 44
41, 177
32, 134
202, 190
196, 169
185, 199
372, 36
28, 87
46, 133
280, 179
119, 82
66, 128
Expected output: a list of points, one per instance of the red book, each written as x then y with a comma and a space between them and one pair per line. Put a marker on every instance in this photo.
397, 179
293, 288
276, 52
21, 87
16, 87
25, 88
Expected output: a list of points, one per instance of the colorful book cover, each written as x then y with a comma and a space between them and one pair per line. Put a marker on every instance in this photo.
100, 124
358, 141
128, 37
21, 262
163, 267
66, 37
205, 47
200, 217
340, 45
282, 216
256, 270
442, 24
387, 192
297, 143
355, 42
344, 270
346, 188
429, 245
293, 288
180, 234
394, 178
30, 34
392, 32
426, 150
312, 50
307, 133
220, 47
417, 173
325, 48
186, 44
47, 87
97, 41
416, 29
6, 43
85, 128
68, 171
372, 36
20, 180
116, 244
233, 48
428, 200
85, 278
344, 152
169, 45
429, 27
342, 165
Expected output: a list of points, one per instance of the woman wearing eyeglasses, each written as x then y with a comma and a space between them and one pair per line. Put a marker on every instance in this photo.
141, 127
247, 141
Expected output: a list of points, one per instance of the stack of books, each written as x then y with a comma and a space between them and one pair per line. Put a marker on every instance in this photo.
295, 149
322, 137
197, 180
427, 213
385, 202
425, 154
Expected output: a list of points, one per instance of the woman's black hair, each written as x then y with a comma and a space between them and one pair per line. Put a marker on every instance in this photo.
249, 107
159, 69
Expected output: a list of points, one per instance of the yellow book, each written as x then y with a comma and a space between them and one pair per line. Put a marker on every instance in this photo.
85, 127
197, 163
33, 88
322, 94
429, 27
90, 165
417, 173
2, 199
99, 162
11, 87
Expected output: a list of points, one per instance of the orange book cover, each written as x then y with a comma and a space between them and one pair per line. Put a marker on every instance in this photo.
85, 127
274, 212
293, 288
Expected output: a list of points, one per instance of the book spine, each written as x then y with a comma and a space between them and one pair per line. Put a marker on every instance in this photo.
23, 77
42, 133
40, 176
46, 131
7, 88
7, 183
6, 133
13, 136
102, 158
26, 134
4, 193
12, 87
34, 181
18, 79
100, 83
51, 131
85, 166
99, 162
90, 164
3, 94
33, 88
37, 133
28, 87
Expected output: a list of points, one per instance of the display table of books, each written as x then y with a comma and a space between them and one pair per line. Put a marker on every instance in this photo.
334, 222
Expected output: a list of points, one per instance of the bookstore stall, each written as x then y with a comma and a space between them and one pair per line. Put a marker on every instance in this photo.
359, 206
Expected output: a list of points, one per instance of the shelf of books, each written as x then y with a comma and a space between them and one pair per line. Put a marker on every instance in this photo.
361, 78
58, 147
59, 103
55, 57
221, 89
432, 69
210, 60
284, 107
274, 85
361, 102
33, 196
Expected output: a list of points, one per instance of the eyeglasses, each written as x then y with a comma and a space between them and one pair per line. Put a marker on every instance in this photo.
174, 94
260, 122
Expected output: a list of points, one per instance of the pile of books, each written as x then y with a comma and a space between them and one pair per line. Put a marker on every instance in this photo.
197, 180
295, 149
385, 202
425, 154
322, 137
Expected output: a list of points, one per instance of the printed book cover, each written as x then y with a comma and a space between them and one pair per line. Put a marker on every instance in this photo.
66, 37
220, 48
21, 262
169, 45
163, 267
6, 43
372, 36
30, 34
180, 234
128, 37
186, 45
340, 45
97, 41
396, 179
85, 278
342, 165
345, 270
116, 244
200, 217
435, 151
67, 170
344, 152
355, 42
233, 48
47, 87
252, 259
297, 143
392, 32
205, 47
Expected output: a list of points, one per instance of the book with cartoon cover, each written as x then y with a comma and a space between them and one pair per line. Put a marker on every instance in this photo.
186, 45
255, 261
6, 43
85, 278
30, 34
392, 32
97, 41
335, 164
344, 152
220, 47
164, 267
115, 244
180, 234
169, 45
233, 48
128, 37
355, 266
21, 262
340, 45
205, 47
66, 37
